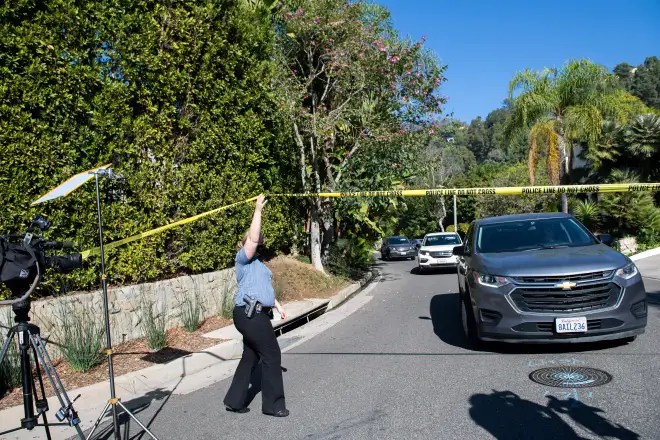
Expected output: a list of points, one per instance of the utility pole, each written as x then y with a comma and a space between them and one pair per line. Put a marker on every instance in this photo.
455, 216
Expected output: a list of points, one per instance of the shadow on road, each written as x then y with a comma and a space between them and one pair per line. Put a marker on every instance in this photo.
135, 406
434, 271
505, 415
446, 319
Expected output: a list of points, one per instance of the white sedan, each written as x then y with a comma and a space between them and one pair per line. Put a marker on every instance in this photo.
437, 250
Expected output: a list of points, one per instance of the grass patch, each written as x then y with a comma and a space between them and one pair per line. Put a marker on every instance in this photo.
81, 336
293, 280
153, 325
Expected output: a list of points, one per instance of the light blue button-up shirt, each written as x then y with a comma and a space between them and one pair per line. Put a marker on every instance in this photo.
254, 279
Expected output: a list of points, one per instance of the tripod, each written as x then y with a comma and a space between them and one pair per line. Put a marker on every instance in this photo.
29, 339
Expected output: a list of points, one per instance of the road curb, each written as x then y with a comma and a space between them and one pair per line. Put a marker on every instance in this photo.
347, 292
646, 254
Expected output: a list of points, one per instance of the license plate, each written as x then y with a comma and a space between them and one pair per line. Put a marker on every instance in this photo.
403, 253
571, 325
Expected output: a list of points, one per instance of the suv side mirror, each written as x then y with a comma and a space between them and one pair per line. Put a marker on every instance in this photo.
606, 239
459, 250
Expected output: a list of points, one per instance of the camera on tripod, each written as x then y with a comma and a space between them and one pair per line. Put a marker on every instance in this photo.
24, 259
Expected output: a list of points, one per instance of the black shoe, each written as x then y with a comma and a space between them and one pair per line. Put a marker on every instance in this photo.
237, 410
280, 413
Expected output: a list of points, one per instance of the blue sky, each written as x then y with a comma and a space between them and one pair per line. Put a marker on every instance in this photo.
484, 43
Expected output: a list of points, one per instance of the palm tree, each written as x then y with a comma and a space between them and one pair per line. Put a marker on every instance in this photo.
642, 139
563, 106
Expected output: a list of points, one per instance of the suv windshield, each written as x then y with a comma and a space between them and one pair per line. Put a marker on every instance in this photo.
531, 235
439, 240
399, 240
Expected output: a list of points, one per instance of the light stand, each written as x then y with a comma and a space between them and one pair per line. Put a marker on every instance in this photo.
114, 401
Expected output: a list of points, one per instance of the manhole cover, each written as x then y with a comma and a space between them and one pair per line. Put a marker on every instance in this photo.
570, 377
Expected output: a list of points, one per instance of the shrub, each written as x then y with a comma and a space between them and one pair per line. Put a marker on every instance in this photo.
349, 258
80, 334
153, 325
191, 312
629, 212
588, 213
228, 292
462, 228
10, 369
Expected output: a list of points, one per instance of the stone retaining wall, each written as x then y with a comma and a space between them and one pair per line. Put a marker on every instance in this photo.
127, 304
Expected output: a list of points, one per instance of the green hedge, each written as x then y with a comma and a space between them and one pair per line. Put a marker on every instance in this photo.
176, 94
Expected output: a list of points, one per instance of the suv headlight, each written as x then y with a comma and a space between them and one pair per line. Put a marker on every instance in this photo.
491, 280
423, 252
627, 272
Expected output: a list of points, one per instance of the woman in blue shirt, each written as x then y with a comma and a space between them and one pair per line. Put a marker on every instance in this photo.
259, 341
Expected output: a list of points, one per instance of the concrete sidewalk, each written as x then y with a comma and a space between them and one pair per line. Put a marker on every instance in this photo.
649, 265
181, 376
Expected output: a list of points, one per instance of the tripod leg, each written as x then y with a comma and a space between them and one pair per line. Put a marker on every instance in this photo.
136, 420
98, 421
41, 409
67, 410
30, 421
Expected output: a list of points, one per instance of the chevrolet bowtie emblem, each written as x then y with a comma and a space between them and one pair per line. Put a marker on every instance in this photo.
566, 285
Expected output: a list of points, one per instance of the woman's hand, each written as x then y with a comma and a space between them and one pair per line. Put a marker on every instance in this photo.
280, 310
261, 202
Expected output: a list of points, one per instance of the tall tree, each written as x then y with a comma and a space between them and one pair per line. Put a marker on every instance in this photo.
561, 106
348, 80
642, 81
477, 139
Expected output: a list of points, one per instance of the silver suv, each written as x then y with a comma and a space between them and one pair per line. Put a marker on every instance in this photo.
545, 278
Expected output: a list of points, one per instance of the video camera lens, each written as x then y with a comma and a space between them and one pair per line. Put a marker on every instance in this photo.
41, 223
65, 263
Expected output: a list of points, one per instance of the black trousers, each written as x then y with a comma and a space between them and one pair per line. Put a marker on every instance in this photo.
259, 344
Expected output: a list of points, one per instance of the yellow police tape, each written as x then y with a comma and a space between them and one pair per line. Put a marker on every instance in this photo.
114, 244
509, 191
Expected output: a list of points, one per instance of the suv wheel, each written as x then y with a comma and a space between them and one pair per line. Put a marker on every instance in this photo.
468, 321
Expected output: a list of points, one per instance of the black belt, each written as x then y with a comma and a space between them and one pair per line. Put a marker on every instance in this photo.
260, 309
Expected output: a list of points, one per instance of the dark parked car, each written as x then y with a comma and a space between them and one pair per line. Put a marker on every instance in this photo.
545, 278
397, 247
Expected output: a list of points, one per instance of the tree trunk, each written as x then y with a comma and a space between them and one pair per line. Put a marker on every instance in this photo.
443, 214
315, 239
328, 230
564, 169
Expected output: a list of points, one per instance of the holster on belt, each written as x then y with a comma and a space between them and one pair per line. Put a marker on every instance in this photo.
250, 306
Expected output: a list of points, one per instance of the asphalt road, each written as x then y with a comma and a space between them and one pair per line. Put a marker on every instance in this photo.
399, 368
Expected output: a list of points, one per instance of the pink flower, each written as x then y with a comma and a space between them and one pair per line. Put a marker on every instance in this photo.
431, 131
394, 59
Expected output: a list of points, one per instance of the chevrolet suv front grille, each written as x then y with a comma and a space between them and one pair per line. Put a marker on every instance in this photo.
591, 276
585, 297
